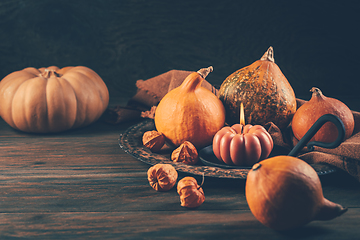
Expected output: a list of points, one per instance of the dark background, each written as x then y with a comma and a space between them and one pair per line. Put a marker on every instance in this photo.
316, 43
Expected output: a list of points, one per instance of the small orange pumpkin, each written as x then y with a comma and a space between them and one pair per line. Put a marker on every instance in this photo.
190, 112
52, 99
242, 145
311, 111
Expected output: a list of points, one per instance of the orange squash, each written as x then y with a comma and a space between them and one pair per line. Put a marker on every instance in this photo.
52, 99
190, 112
312, 110
263, 89
285, 192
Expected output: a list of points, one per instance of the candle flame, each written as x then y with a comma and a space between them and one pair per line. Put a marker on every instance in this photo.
242, 114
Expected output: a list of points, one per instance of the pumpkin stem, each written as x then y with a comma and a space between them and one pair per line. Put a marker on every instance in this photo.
316, 91
329, 210
193, 80
205, 71
256, 166
268, 55
48, 73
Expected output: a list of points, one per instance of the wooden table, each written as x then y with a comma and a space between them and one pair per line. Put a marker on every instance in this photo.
81, 184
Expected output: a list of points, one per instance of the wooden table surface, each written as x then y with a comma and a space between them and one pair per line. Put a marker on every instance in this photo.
81, 184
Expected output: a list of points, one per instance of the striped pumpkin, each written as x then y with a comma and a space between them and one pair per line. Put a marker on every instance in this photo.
51, 99
263, 89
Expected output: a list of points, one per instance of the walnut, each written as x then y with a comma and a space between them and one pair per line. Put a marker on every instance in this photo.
185, 153
153, 140
162, 177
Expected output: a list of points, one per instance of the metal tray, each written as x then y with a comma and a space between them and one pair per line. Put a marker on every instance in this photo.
131, 142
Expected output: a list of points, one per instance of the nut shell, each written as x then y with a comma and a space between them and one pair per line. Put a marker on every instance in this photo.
162, 177
185, 153
153, 140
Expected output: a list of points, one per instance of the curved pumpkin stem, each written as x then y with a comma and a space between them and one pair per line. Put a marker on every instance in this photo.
268, 55
205, 71
194, 79
316, 91
329, 210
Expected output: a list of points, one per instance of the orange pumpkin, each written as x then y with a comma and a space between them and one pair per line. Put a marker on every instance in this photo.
262, 87
52, 99
316, 107
242, 145
190, 112
285, 192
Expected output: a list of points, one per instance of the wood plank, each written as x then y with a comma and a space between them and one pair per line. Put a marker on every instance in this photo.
126, 186
181, 224
80, 184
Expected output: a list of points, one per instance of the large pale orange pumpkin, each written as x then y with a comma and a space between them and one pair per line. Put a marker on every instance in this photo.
52, 99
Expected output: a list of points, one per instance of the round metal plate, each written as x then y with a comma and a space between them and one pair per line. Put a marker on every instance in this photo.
131, 142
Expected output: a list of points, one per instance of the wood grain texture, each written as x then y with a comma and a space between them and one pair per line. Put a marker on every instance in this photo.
80, 184
165, 225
